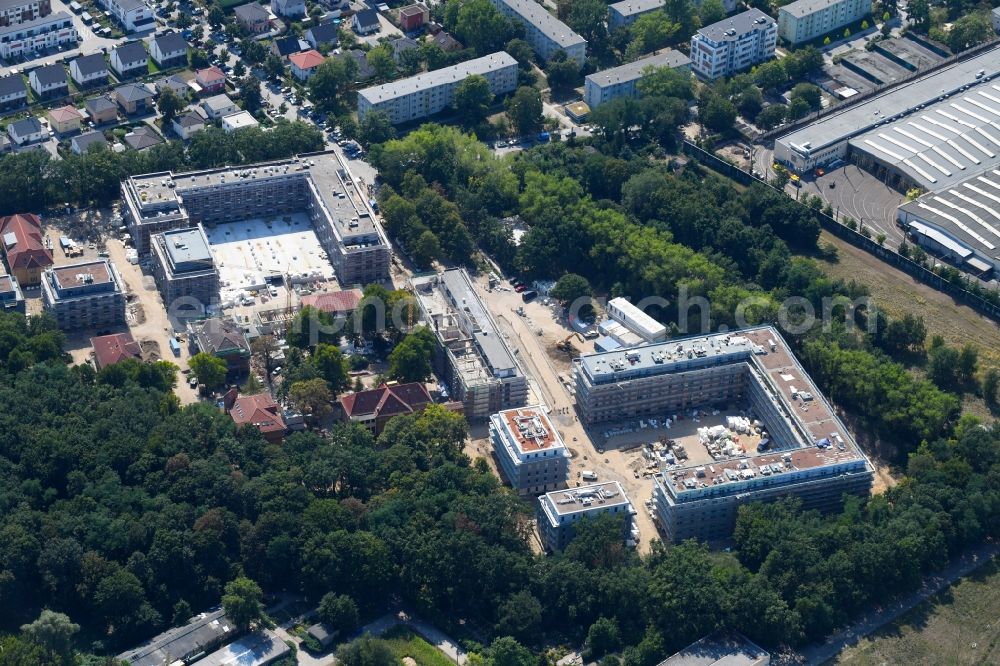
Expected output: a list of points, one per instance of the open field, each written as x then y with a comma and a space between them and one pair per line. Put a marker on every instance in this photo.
958, 626
405, 643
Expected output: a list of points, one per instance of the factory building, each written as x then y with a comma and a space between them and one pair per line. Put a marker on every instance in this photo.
472, 357
543, 31
622, 81
561, 511
805, 20
733, 44
184, 268
84, 295
531, 455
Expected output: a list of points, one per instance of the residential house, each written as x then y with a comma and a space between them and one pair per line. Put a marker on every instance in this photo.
13, 12
82, 143
365, 70
11, 296
132, 15
286, 46
23, 248
101, 110
238, 120
336, 303
324, 33
28, 38
546, 33
130, 60
212, 80
142, 138
187, 123
114, 348
289, 8
168, 50
13, 92
446, 42
65, 119
304, 65
254, 18
400, 46
25, 131
365, 22
375, 407
49, 81
413, 17
805, 20
133, 98
90, 70
176, 82
259, 411
218, 106
223, 338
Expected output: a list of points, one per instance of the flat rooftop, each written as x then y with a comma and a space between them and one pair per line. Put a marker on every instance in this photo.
256, 649
530, 429
179, 642
587, 498
634, 70
186, 245
437, 77
856, 119
910, 51
78, 275
488, 339
877, 66
734, 27
801, 8
720, 649
7, 284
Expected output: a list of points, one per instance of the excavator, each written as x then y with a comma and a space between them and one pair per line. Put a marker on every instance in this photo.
564, 344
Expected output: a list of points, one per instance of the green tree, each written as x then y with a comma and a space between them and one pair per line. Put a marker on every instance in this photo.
54, 632
717, 114
524, 109
479, 25
772, 116
264, 348
570, 287
366, 651
311, 397
506, 651
666, 82
711, 11
210, 370
274, 66
242, 603
183, 20
589, 19
808, 93
339, 612
411, 360
376, 128
521, 51
990, 383
969, 30
427, 249
603, 637
473, 98
216, 15
169, 104
520, 616
331, 366
650, 32
250, 93
561, 71
771, 75
382, 62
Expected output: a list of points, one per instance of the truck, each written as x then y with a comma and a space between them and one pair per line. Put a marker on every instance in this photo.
175, 347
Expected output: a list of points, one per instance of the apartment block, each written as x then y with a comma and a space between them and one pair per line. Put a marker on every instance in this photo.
532, 456
805, 20
13, 12
472, 358
84, 295
432, 92
559, 512
733, 44
542, 30
184, 268
43, 32
618, 82
11, 296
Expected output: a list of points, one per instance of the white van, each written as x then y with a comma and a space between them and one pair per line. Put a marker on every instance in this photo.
587, 475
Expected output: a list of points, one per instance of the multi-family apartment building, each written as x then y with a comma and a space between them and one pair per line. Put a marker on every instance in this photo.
559, 512
13, 12
804, 20
531, 455
471, 358
621, 81
432, 92
316, 184
42, 32
733, 44
543, 31
133, 15
627, 12
85, 295
184, 268
11, 296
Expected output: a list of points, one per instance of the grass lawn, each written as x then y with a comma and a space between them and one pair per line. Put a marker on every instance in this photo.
405, 643
960, 625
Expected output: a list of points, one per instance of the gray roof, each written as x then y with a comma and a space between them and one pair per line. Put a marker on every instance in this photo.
533, 13
491, 345
12, 84
427, 80
187, 246
189, 119
634, 70
133, 92
131, 52
26, 126
217, 102
98, 104
142, 137
252, 12
365, 70
801, 8
325, 33
632, 7
50, 74
84, 141
42, 20
91, 64
204, 630
129, 5
287, 45
367, 17
170, 42
723, 648
736, 26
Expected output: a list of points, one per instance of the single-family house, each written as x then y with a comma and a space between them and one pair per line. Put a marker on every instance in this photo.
82, 142
238, 120
168, 50
133, 98
375, 407
259, 411
286, 46
218, 106
187, 123
114, 348
211, 79
289, 8
49, 81
413, 17
446, 42
142, 138
89, 70
223, 338
133, 15
325, 33
25, 131
130, 60
339, 304
65, 119
365, 22
175, 82
254, 18
101, 110
26, 254
13, 92
305, 64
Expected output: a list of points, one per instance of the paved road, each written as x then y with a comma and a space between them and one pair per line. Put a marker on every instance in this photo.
872, 621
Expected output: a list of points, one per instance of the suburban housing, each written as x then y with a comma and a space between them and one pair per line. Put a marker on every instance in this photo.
374, 408
24, 249
37, 34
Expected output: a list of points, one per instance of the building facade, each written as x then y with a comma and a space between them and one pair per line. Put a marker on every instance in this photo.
425, 94
621, 81
23, 248
531, 455
223, 338
49, 81
559, 512
184, 268
85, 295
43, 32
13, 92
373, 408
11, 296
13, 12
805, 20
89, 70
733, 44
543, 31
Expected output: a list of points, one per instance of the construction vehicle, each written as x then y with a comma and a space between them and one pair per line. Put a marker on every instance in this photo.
564, 344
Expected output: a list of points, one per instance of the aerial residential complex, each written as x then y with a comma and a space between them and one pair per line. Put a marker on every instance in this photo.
625, 13
529, 450
733, 44
13, 12
617, 82
316, 184
560, 511
472, 356
804, 20
85, 295
543, 31
432, 92
44, 32
184, 268
807, 451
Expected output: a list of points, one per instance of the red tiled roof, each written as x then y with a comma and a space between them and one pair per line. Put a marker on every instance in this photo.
306, 59
387, 400
210, 74
65, 114
260, 411
334, 301
27, 250
109, 349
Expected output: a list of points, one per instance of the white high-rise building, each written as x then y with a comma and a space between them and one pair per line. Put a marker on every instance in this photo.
733, 44
804, 20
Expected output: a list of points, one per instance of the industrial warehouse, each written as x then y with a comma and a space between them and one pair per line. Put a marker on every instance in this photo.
783, 438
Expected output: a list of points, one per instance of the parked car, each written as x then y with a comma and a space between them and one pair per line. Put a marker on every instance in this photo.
529, 295
519, 288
